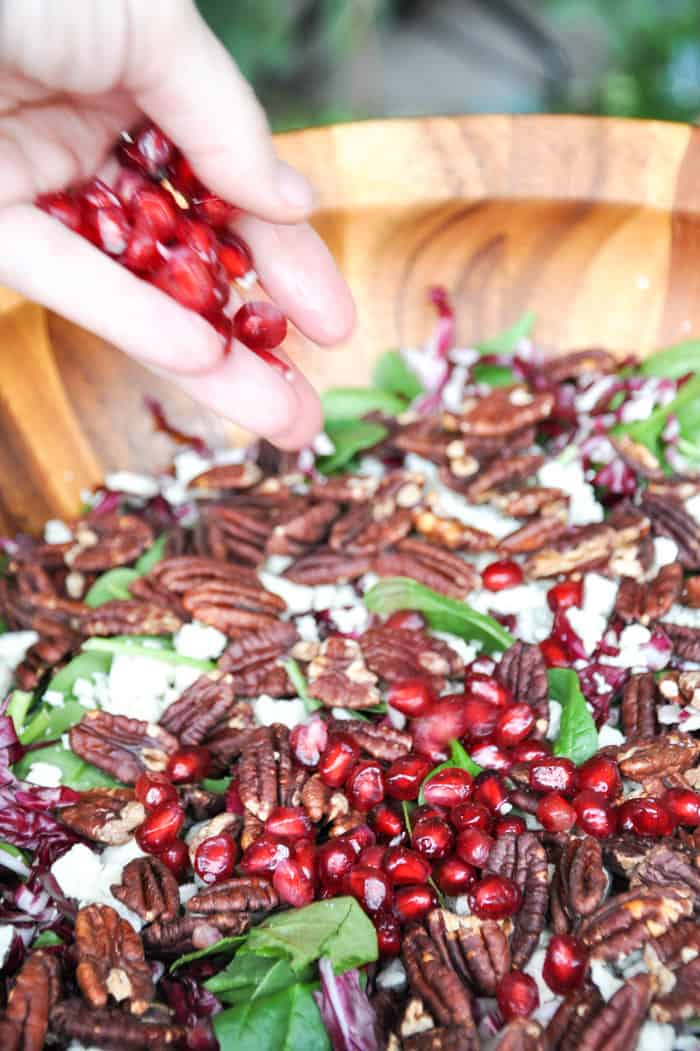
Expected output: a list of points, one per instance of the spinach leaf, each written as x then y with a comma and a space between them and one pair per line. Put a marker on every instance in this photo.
224, 945
76, 772
284, 1021
216, 784
153, 555
494, 375
114, 584
673, 362
392, 374
577, 738
133, 646
46, 938
300, 684
50, 722
249, 975
352, 403
442, 613
685, 406
18, 707
507, 340
349, 437
81, 667
337, 928
458, 758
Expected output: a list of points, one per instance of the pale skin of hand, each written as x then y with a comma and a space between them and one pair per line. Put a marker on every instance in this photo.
73, 74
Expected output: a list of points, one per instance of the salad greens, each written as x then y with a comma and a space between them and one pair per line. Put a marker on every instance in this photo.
577, 738
114, 584
76, 772
459, 758
298, 681
392, 375
349, 438
507, 340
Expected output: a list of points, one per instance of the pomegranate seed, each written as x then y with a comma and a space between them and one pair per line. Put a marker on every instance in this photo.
564, 595
474, 847
370, 887
308, 740
154, 208
600, 775
646, 816
288, 822
141, 254
334, 860
337, 760
683, 805
199, 237
150, 151
176, 857
153, 789
388, 935
412, 698
514, 725
500, 575
454, 876
555, 814
215, 858
564, 964
360, 837
511, 825
490, 790
489, 756
495, 897
212, 209
405, 776
487, 688
553, 775
97, 194
182, 177
408, 619
112, 229
184, 276
445, 722
365, 785
160, 827
234, 803
304, 853
127, 184
292, 885
481, 717
423, 811
260, 325
387, 823
189, 764
62, 206
517, 995
405, 866
235, 256
594, 814
373, 857
555, 656
527, 751
471, 815
411, 904
432, 837
263, 856
448, 787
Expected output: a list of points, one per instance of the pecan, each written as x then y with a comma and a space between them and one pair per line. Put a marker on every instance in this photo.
625, 922
381, 742
580, 548
398, 654
683, 1000
201, 708
638, 710
582, 880
451, 533
521, 1034
299, 531
253, 658
178, 574
444, 1038
685, 641
648, 602
425, 437
339, 677
266, 776
505, 410
346, 823
107, 541
501, 474
382, 521
532, 500
629, 523
44, 655
321, 802
201, 804
670, 518
129, 617
569, 1023
149, 889
37, 988
664, 866
111, 960
243, 894
579, 363
227, 742
691, 595
615, 1025
680, 944
478, 950
190, 932
105, 815
111, 1029
437, 983
233, 608
227, 476
120, 746
253, 827
49, 615
647, 757
344, 488
534, 535
524, 860
237, 534
324, 566
523, 670
430, 565
638, 457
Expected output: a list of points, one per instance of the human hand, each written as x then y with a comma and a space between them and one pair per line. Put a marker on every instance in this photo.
72, 76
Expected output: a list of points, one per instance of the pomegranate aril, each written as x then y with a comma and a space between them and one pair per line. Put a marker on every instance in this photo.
189, 764
471, 815
333, 862
600, 775
388, 935
215, 858
153, 789
260, 325
555, 656
509, 825
292, 885
235, 256
308, 740
409, 619
474, 847
234, 803
454, 876
371, 887
517, 995
212, 209
481, 717
176, 857
495, 897
564, 964
304, 853
412, 698
500, 575
263, 856
98, 194
487, 688
564, 595
149, 150
62, 206
424, 810
553, 775
199, 237
646, 817
489, 756
141, 253
405, 776
432, 837
288, 822
181, 176
594, 814
411, 904
360, 837
683, 804
222, 324
128, 183
337, 760
445, 722
111, 229
404, 866
527, 751
387, 823
555, 813
183, 276
372, 856
514, 725
160, 827
365, 785
448, 787
491, 792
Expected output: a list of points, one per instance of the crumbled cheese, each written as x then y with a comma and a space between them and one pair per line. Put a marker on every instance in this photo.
85, 691
568, 476
599, 594
322, 445
609, 735
393, 976
692, 506
57, 532
14, 646
657, 1036
333, 596
307, 627
187, 891
7, 932
368, 581
589, 398
75, 1045
298, 598
590, 627
460, 905
268, 710
449, 504
468, 651
199, 641
277, 564
527, 602
87, 876
138, 687
632, 643
188, 464
141, 485
555, 710
44, 774
371, 467
54, 698
665, 552
607, 982
396, 718
349, 621
683, 615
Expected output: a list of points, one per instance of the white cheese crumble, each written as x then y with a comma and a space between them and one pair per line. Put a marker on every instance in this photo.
534, 969
665, 552
683, 615
692, 506
449, 504
656, 1036
468, 651
568, 476
143, 486
13, 647
44, 774
632, 644
269, 710
302, 599
6, 935
187, 891
307, 627
137, 687
591, 619
609, 735
349, 621
555, 710
57, 532
188, 464
607, 982
526, 602
393, 976
199, 641
277, 564
87, 876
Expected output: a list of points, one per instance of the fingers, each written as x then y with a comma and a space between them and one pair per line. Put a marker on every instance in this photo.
299, 274
185, 80
52, 265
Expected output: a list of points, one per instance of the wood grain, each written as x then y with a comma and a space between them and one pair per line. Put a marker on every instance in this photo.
593, 223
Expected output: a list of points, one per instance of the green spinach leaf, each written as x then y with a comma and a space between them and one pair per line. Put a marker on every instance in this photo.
223, 947
577, 738
685, 406
76, 772
673, 362
134, 647
17, 708
392, 374
337, 928
494, 375
46, 938
81, 667
114, 584
284, 1021
249, 975
50, 722
507, 340
349, 437
352, 403
153, 555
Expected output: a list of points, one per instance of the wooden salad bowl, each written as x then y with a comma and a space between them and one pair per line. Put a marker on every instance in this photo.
592, 223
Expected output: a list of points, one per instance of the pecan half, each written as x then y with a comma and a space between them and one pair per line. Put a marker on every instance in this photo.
648, 602
582, 547
523, 670
685, 641
582, 880
625, 922
237, 534
680, 944
579, 363
524, 860
521, 1034
129, 617
149, 889
436, 983
647, 757
339, 677
266, 775
190, 932
478, 950
505, 410
430, 565
105, 815
344, 488
233, 608
532, 500
324, 566
664, 866
451, 533
228, 476
615, 1026
253, 659
201, 708
683, 1000
638, 710
381, 742
368, 528
37, 988
243, 894
398, 654
321, 802
569, 1022
670, 518
107, 541
44, 655
111, 960
500, 474
121, 747
444, 1038
300, 530
534, 535
223, 822
111, 1029
691, 596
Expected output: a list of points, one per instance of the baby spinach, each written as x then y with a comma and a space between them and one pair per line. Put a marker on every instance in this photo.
46, 938
685, 407
337, 928
133, 646
393, 375
223, 947
298, 681
114, 584
76, 772
17, 708
50, 722
349, 437
284, 1021
493, 375
578, 737
441, 612
249, 975
352, 403
458, 758
153, 555
506, 342
83, 666
673, 362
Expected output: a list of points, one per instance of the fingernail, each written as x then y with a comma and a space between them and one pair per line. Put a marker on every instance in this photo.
294, 189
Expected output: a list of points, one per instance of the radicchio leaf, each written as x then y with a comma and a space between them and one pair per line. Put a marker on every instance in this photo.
346, 1011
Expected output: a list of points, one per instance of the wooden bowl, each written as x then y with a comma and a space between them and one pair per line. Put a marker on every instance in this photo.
595, 224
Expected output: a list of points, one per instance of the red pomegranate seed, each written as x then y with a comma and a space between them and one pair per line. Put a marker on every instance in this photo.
564, 964
337, 760
490, 790
127, 184
308, 740
360, 837
141, 253
517, 995
98, 194
184, 276
646, 816
432, 837
292, 885
448, 787
176, 857
304, 853
405, 776
683, 805
487, 688
553, 775
62, 206
423, 811
474, 847
156, 209
514, 725
150, 151
388, 935
365, 785
212, 209
333, 862
600, 775
387, 823
412, 698
433, 732
488, 755
199, 237
494, 897
500, 575
594, 814
555, 813
471, 815
408, 619
160, 828
564, 595
215, 858
411, 904
289, 822
481, 717
189, 764
527, 751
555, 656
153, 789
260, 325
454, 876
370, 887
404, 866
235, 256
511, 825
373, 857
182, 177
263, 856
234, 803
111, 229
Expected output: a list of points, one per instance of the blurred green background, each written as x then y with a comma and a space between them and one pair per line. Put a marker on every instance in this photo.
315, 61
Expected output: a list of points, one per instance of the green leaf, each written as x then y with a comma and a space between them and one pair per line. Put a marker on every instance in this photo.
81, 667
673, 362
3, 626
216, 784
10, 848
249, 975
507, 340
392, 374
493, 375
46, 938
154, 554
285, 1021
458, 758
686, 406
50, 722
76, 772
337, 928
352, 403
124, 645
300, 684
406, 807
224, 945
442, 613
577, 738
18, 707
114, 584
349, 437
